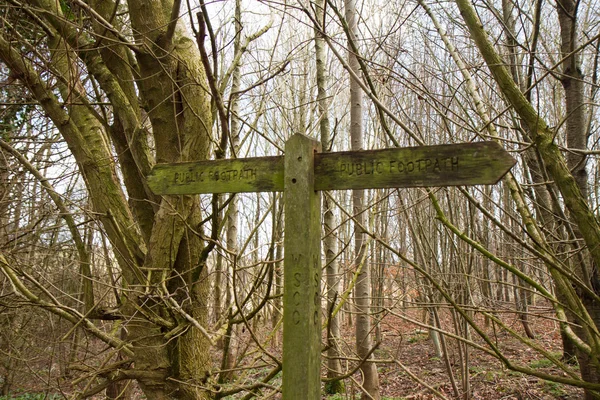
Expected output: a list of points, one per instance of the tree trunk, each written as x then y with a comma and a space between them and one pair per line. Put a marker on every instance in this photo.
543, 139
154, 245
363, 283
233, 211
576, 135
334, 367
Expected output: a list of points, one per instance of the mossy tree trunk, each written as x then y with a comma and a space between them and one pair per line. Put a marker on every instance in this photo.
568, 183
572, 81
153, 238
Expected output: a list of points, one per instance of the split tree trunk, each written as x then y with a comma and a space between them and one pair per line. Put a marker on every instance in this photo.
157, 251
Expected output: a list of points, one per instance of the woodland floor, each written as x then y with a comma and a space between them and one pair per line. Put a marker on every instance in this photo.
488, 379
410, 345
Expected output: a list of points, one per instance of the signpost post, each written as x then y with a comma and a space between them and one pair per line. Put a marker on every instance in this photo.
301, 174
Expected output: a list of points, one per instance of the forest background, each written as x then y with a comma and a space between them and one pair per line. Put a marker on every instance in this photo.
470, 292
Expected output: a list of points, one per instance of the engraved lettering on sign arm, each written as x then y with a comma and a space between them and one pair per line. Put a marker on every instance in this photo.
215, 175
400, 166
233, 174
437, 164
362, 168
188, 177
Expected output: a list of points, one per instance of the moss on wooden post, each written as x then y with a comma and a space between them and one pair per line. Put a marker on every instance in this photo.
302, 273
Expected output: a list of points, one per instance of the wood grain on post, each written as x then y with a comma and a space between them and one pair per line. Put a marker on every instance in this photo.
302, 273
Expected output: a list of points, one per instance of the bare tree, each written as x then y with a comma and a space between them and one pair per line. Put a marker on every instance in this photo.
362, 290
334, 367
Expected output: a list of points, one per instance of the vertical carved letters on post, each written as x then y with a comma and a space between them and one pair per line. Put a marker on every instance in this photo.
302, 273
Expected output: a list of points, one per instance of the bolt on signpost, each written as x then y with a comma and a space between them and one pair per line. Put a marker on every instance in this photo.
301, 174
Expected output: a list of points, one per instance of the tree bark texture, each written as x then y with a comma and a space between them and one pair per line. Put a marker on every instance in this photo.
334, 367
543, 139
157, 251
362, 289
576, 138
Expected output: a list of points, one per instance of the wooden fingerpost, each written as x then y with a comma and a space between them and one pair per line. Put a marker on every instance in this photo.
301, 174
302, 273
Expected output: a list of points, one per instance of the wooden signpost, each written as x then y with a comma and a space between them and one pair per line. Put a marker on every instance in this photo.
301, 174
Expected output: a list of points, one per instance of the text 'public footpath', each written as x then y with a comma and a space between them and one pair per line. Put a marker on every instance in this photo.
436, 165
214, 175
